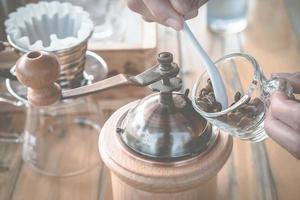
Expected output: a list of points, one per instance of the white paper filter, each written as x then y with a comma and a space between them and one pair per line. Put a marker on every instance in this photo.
49, 26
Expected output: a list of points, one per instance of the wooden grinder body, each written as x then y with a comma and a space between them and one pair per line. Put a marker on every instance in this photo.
135, 178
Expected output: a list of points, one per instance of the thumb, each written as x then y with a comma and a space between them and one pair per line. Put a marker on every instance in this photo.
293, 78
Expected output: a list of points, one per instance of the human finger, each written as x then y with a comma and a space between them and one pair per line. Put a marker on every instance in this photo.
164, 13
138, 6
147, 19
284, 135
191, 14
186, 6
293, 78
285, 110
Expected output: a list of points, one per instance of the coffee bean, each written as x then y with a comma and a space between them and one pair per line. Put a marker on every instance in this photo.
254, 82
237, 96
211, 100
231, 119
209, 82
250, 111
255, 101
258, 104
232, 104
235, 116
241, 107
244, 122
230, 115
212, 94
239, 115
203, 105
203, 92
260, 108
209, 88
218, 106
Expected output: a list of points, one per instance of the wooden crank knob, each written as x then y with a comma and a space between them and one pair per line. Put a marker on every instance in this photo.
38, 70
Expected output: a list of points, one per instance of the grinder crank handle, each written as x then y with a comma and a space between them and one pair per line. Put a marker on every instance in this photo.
39, 70
145, 78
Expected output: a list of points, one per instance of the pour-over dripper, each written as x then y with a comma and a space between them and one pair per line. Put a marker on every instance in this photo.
48, 26
60, 28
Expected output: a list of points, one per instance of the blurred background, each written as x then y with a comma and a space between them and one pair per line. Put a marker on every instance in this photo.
269, 30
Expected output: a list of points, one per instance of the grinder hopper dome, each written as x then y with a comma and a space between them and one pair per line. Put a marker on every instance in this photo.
164, 126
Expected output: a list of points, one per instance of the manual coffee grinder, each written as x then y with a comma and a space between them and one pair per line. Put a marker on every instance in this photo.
155, 148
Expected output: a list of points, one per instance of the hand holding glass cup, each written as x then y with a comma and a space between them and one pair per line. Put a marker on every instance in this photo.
248, 92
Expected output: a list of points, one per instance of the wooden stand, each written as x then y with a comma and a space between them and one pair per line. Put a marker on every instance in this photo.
134, 178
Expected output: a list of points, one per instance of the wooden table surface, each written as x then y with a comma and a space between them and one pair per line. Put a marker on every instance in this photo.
261, 171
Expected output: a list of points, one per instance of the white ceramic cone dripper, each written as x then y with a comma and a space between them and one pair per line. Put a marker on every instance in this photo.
49, 26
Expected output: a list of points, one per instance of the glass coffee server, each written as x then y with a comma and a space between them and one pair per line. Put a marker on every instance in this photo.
57, 139
52, 133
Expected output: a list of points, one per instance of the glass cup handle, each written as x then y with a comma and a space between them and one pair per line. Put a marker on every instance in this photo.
11, 137
273, 85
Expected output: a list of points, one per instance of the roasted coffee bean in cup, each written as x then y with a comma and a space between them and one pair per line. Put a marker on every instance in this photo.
241, 117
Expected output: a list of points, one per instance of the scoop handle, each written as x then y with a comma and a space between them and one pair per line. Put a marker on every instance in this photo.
214, 74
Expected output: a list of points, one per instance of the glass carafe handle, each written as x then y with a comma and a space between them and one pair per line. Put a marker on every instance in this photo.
6, 137
7, 98
11, 137
273, 85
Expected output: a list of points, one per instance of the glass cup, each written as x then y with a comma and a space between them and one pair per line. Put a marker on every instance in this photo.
244, 118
